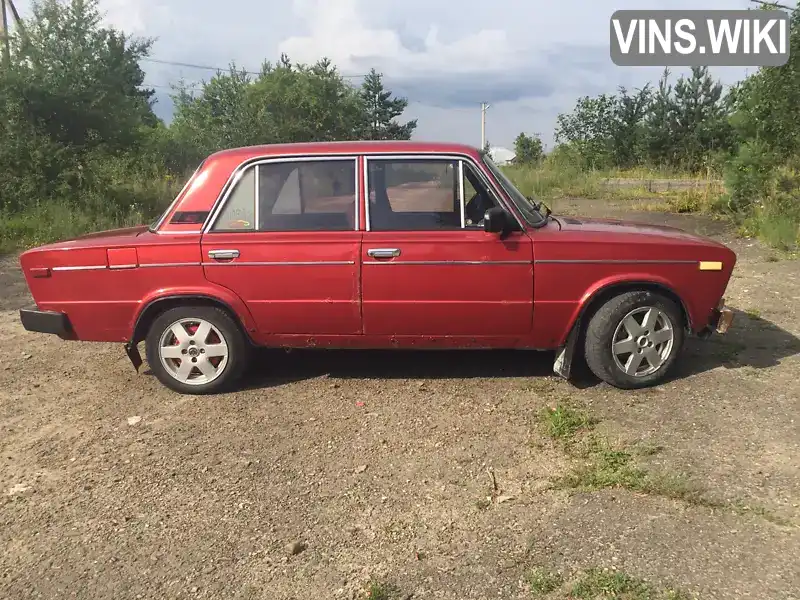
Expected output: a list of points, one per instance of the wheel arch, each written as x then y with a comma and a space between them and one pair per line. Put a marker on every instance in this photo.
160, 305
573, 338
597, 297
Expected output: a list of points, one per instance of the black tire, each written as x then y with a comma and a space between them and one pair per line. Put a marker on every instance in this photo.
238, 350
600, 335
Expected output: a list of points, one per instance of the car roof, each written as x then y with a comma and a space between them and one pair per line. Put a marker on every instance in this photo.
345, 147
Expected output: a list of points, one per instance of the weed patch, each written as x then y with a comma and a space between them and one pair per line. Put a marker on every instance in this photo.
601, 465
596, 584
563, 423
543, 582
381, 590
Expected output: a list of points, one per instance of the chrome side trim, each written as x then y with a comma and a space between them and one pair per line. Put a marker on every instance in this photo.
448, 262
82, 268
257, 196
186, 264
365, 183
461, 199
357, 205
130, 266
238, 172
280, 263
193, 232
621, 261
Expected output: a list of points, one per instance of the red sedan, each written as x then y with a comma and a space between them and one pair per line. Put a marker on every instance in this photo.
376, 245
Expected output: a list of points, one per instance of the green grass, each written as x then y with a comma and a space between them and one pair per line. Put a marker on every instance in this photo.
779, 231
551, 182
607, 467
600, 465
543, 582
597, 584
53, 222
381, 590
564, 423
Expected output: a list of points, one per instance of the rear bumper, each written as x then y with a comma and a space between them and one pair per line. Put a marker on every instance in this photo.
45, 321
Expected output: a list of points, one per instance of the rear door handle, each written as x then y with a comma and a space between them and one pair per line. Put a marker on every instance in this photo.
223, 254
383, 252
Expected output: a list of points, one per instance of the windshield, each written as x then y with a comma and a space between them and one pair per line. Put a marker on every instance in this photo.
525, 206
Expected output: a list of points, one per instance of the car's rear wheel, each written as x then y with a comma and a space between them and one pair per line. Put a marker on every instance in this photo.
196, 349
633, 339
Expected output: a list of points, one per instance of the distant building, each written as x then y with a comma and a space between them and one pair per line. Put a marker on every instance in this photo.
501, 156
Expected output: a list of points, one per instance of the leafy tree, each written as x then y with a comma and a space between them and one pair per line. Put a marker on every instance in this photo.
381, 110
766, 103
628, 132
221, 116
589, 129
528, 149
70, 95
285, 103
660, 124
699, 123
87, 75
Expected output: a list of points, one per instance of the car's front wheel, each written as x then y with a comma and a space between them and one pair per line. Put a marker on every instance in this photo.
196, 349
634, 338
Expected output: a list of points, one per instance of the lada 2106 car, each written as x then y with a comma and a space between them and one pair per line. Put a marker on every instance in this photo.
376, 245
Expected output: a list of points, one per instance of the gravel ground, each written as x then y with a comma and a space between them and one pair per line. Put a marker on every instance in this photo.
332, 468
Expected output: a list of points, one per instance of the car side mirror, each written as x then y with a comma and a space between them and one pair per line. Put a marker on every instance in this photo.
496, 220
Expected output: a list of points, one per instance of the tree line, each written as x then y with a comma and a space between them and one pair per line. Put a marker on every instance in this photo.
748, 134
80, 142
78, 129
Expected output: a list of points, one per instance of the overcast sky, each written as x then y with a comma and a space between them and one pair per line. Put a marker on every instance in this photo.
531, 59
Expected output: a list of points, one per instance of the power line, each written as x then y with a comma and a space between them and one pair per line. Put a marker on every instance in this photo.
210, 68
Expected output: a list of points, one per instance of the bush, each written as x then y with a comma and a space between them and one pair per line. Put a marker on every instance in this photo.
748, 176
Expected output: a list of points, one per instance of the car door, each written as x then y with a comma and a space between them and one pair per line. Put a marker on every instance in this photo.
428, 267
286, 240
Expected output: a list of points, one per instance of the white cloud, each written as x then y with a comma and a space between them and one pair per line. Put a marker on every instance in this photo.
338, 29
531, 58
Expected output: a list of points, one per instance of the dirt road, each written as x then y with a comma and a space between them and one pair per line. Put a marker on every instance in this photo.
430, 473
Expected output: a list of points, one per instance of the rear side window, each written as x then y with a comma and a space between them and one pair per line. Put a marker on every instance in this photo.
313, 195
239, 212
302, 195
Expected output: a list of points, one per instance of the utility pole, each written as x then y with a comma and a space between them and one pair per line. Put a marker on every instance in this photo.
484, 108
4, 33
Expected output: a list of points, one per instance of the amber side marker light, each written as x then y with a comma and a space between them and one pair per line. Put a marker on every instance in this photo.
708, 265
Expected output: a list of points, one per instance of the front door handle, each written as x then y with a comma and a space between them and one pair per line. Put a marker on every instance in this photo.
383, 252
223, 254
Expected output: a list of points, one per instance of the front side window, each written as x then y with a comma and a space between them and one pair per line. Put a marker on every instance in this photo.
429, 194
312, 195
524, 204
